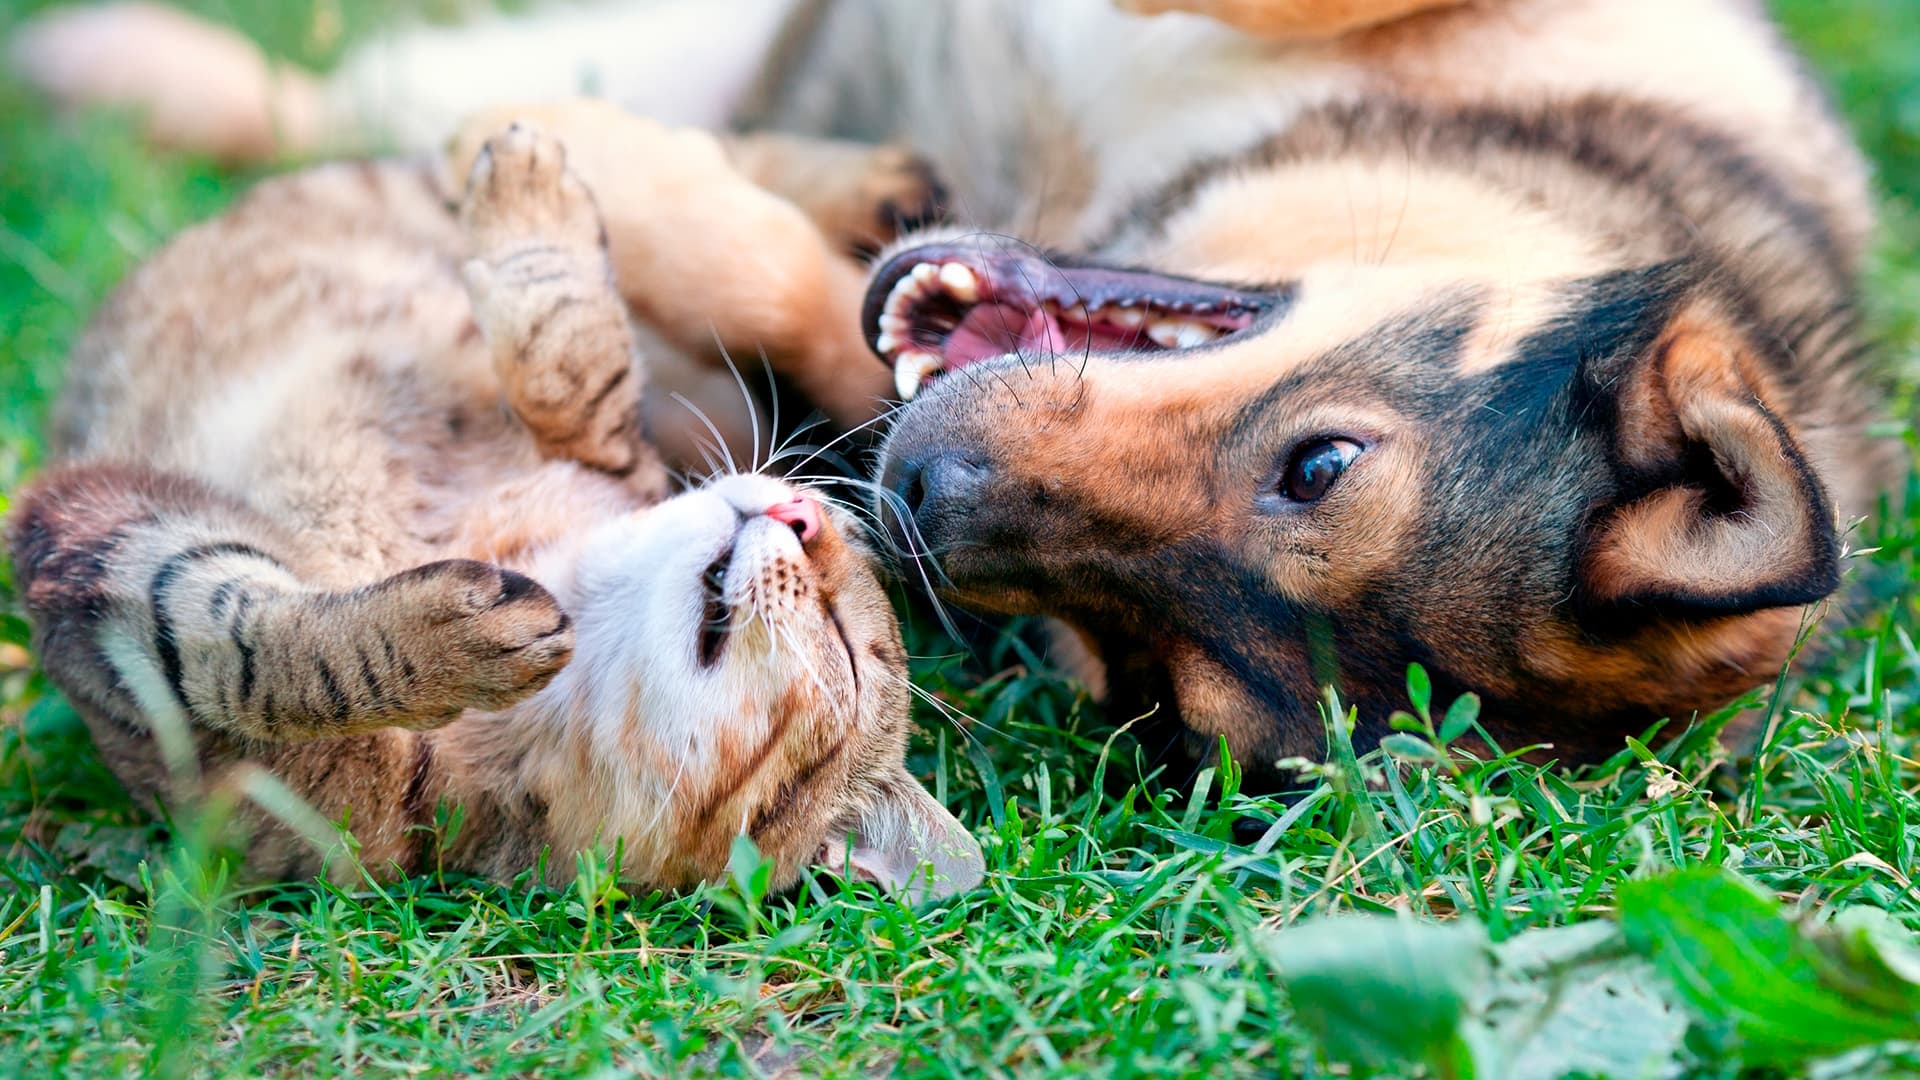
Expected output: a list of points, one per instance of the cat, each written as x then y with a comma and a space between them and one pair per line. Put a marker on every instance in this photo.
352, 486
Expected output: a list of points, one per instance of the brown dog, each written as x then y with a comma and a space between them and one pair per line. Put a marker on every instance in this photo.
1527, 352
1515, 338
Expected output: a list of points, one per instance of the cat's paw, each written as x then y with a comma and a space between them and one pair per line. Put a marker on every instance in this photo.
488, 637
521, 196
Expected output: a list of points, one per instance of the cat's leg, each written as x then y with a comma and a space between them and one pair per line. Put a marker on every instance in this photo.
1293, 20
543, 293
160, 603
713, 262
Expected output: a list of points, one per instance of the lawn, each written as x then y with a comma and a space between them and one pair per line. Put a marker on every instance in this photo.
1587, 919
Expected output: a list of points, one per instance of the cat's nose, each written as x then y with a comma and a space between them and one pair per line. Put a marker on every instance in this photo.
801, 514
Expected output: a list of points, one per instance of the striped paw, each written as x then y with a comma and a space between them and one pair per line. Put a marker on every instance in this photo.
480, 637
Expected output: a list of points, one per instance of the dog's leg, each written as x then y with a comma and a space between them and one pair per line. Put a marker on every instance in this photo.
861, 196
708, 259
1292, 20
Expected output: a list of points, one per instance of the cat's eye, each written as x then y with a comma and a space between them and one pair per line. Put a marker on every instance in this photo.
1316, 465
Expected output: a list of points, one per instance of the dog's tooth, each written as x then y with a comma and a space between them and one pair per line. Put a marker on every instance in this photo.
885, 343
959, 282
926, 273
1194, 333
897, 325
901, 298
912, 370
1164, 332
1127, 318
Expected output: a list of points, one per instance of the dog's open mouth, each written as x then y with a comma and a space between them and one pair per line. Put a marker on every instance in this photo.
937, 308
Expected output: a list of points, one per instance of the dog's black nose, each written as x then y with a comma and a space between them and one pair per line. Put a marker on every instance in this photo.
935, 492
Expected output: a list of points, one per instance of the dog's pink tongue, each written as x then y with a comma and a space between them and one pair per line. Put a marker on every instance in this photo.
991, 330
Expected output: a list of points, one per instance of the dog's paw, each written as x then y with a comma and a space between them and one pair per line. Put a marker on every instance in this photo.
902, 192
521, 196
483, 637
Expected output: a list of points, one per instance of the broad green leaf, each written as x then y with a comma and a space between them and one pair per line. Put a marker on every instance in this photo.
1574, 1001
1873, 960
1420, 690
1382, 993
1774, 991
1410, 748
751, 871
1460, 716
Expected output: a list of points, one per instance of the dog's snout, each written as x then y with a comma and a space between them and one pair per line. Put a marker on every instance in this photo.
948, 477
935, 491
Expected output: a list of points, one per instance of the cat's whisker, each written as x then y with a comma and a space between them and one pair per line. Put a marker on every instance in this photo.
746, 398
790, 444
843, 436
700, 414
673, 786
947, 710
918, 552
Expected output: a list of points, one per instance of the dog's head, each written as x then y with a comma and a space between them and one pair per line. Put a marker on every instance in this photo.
1582, 496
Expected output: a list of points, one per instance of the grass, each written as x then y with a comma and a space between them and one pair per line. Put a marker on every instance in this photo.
1120, 931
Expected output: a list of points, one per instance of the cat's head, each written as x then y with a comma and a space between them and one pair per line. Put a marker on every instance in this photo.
737, 653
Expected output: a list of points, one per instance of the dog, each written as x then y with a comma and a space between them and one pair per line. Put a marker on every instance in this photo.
1287, 343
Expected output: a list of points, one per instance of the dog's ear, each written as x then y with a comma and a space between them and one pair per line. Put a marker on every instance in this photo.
1723, 513
904, 841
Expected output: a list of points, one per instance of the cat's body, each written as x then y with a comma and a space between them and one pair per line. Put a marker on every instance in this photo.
308, 453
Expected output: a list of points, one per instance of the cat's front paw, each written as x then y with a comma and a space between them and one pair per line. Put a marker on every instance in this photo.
485, 637
521, 197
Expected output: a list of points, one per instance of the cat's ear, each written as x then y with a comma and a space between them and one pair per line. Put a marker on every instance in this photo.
903, 840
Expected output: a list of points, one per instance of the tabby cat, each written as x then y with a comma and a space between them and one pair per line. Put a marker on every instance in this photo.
351, 486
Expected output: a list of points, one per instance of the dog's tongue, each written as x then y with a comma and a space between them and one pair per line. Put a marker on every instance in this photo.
990, 330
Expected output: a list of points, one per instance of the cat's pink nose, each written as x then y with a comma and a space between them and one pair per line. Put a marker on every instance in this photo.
801, 513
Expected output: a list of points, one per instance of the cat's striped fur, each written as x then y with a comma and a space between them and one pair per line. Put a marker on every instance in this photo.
352, 486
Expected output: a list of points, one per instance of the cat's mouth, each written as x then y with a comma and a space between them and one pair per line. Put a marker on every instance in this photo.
768, 590
936, 308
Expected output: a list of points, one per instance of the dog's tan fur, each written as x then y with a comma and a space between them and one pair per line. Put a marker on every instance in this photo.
325, 507
1636, 207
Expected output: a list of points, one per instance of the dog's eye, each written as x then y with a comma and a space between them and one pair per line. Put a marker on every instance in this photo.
1315, 466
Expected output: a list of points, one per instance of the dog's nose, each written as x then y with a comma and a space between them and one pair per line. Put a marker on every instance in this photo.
935, 490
